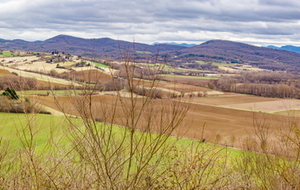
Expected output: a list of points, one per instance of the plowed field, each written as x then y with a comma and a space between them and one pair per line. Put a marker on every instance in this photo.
225, 123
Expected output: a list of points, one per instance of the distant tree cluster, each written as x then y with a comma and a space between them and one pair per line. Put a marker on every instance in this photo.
55, 52
153, 93
207, 66
113, 85
280, 85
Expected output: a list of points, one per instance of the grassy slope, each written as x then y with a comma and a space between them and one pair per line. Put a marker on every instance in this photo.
15, 129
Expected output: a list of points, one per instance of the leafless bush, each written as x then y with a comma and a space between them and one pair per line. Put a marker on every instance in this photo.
123, 159
153, 93
20, 106
18, 83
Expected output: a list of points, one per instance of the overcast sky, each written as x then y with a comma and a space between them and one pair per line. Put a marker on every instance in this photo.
258, 22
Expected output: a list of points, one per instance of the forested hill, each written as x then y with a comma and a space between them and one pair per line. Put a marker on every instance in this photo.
234, 52
210, 51
101, 47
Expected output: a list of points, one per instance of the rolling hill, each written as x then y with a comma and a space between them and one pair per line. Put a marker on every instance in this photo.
101, 47
210, 51
240, 53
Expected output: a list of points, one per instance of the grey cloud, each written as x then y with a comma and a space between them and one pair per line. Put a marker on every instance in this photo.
154, 19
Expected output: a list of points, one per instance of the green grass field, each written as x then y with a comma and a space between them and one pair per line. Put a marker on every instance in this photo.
15, 129
100, 64
7, 54
46, 144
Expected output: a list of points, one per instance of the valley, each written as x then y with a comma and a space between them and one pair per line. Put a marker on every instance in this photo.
224, 114
63, 112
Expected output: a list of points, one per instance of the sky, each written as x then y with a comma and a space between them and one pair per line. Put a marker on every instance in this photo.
257, 22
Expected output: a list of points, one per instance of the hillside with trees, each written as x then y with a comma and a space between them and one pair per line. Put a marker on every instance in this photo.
240, 53
221, 51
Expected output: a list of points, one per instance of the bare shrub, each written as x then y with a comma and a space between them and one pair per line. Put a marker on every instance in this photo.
18, 83
156, 93
122, 159
53, 73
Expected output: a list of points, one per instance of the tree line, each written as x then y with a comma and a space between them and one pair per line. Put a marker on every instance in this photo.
277, 85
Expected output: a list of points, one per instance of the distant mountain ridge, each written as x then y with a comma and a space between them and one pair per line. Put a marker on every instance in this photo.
101, 47
240, 53
287, 47
210, 51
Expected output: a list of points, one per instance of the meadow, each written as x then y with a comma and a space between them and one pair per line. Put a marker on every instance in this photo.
100, 64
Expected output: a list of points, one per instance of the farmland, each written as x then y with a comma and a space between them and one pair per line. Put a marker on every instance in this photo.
171, 124
213, 109
224, 119
188, 77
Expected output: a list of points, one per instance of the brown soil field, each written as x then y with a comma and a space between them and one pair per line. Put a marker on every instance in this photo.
291, 113
191, 81
90, 76
4, 72
181, 87
268, 106
175, 86
225, 123
248, 102
229, 99
51, 85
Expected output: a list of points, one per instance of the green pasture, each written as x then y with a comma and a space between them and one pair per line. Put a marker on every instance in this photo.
100, 64
7, 54
46, 129
16, 129
52, 136
43, 138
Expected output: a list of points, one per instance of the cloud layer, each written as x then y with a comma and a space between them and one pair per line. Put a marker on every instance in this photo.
259, 22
